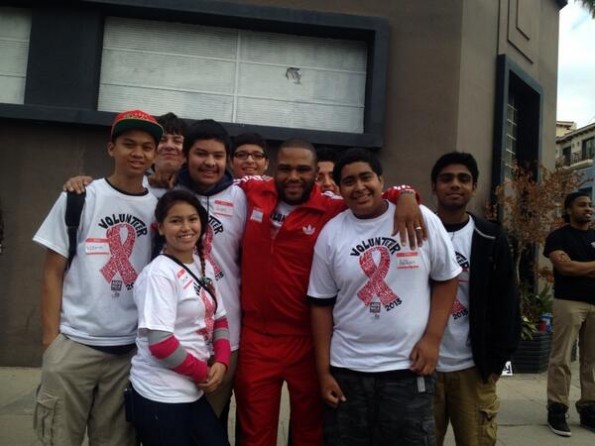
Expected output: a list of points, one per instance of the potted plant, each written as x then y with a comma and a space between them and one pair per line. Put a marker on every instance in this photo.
529, 207
532, 354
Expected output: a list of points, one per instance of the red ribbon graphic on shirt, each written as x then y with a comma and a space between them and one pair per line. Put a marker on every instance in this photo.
207, 331
457, 306
458, 309
376, 286
208, 250
119, 254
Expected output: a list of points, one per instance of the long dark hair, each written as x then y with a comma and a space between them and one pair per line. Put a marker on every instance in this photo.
165, 203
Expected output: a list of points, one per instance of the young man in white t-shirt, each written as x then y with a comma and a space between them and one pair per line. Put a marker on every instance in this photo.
484, 325
378, 309
89, 319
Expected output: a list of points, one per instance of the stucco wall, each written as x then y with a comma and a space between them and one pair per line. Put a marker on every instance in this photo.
35, 161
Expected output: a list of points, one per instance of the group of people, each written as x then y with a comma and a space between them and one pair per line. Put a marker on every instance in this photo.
385, 320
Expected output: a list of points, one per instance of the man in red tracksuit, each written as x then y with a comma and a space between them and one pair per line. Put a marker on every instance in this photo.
284, 219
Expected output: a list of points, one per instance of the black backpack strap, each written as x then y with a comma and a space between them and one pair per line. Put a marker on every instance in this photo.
203, 282
72, 218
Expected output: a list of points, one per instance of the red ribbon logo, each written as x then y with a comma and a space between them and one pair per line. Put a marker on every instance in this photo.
119, 254
207, 244
376, 286
207, 331
458, 310
457, 306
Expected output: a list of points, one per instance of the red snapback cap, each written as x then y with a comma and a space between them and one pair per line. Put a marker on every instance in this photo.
136, 120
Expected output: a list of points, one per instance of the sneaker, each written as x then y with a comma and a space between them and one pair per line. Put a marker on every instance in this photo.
587, 414
556, 419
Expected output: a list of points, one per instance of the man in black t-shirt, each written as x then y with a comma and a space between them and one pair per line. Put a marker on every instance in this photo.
571, 249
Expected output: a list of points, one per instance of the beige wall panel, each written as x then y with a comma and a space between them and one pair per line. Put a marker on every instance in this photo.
15, 27
285, 49
548, 78
523, 26
300, 115
35, 161
117, 98
477, 90
182, 39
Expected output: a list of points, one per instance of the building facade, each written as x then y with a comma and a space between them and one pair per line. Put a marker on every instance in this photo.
410, 79
575, 149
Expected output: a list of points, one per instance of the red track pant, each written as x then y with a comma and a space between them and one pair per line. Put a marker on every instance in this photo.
264, 363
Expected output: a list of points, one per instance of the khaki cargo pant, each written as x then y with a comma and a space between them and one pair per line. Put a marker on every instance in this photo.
470, 405
82, 390
571, 319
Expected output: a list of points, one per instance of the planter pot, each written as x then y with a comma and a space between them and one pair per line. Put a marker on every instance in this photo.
532, 356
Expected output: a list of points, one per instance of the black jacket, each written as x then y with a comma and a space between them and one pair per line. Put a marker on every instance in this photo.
494, 312
185, 180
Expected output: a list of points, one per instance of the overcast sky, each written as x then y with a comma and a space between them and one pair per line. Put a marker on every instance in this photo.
576, 66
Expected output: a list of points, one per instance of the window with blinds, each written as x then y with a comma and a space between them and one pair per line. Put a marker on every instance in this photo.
511, 139
15, 29
233, 75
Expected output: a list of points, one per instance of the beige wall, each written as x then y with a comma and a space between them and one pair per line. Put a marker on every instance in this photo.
477, 90
35, 160
548, 77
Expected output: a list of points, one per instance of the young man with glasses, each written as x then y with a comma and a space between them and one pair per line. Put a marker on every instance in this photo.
249, 155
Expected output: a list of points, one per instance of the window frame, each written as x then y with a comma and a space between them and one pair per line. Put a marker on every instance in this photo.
567, 155
588, 145
47, 82
529, 95
21, 75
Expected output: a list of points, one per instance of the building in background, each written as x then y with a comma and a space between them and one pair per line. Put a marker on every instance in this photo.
563, 127
575, 148
411, 79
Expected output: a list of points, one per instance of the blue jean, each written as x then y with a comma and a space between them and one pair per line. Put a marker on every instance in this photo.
383, 409
180, 424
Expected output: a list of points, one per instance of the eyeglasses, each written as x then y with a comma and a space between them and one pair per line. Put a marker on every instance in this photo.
256, 156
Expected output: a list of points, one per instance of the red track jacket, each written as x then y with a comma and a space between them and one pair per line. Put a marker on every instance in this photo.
276, 270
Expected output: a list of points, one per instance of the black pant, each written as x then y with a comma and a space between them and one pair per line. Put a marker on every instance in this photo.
382, 409
176, 424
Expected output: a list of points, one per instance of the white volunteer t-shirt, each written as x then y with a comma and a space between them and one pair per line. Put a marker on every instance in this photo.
157, 191
455, 349
114, 244
222, 244
382, 288
170, 300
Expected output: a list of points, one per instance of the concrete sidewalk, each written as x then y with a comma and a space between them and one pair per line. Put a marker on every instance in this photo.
522, 417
